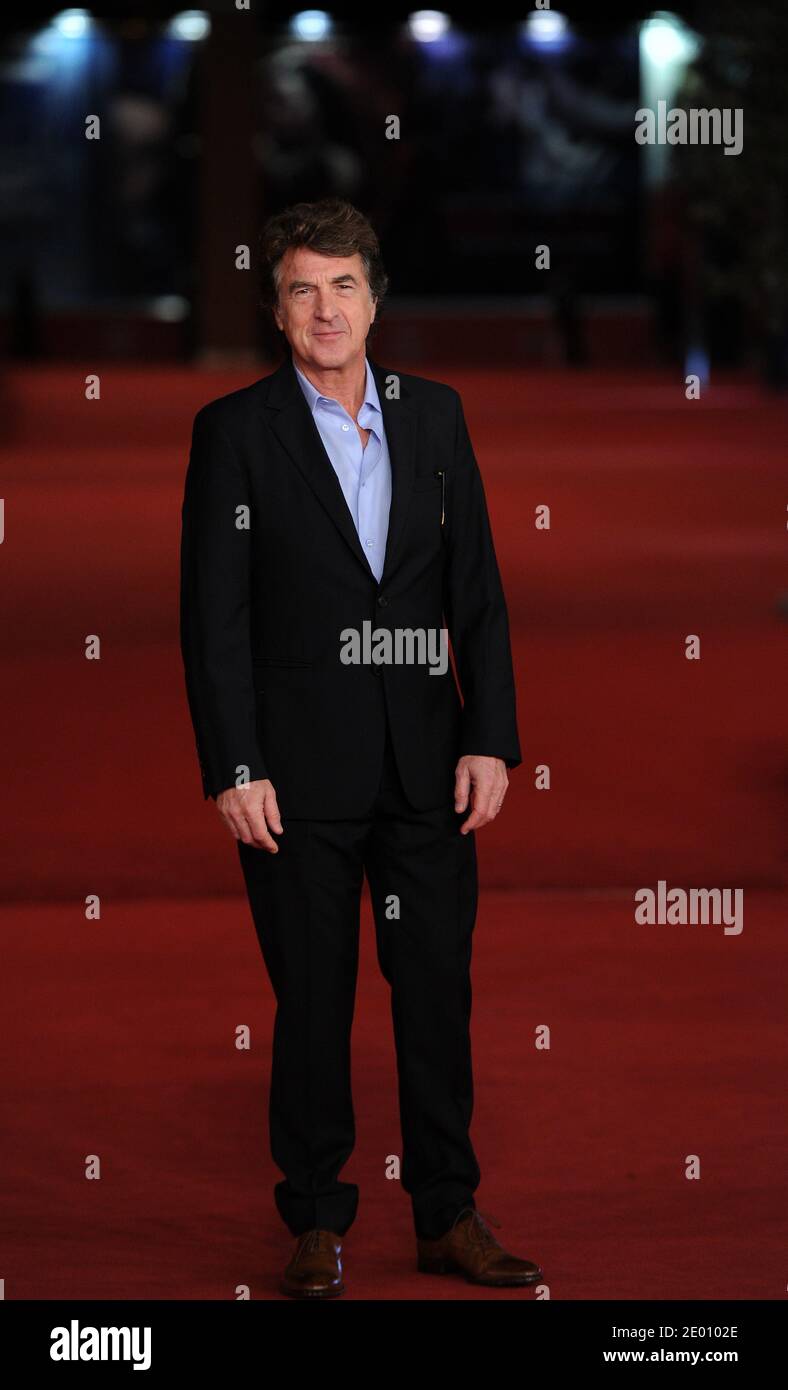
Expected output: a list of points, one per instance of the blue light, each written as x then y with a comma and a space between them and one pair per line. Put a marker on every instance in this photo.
546, 29
311, 25
696, 363
190, 26
428, 26
72, 24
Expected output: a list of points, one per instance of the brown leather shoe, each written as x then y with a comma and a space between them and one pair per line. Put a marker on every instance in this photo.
315, 1269
470, 1248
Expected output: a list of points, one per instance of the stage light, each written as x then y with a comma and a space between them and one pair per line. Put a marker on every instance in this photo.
71, 24
428, 26
664, 40
190, 25
65, 42
546, 28
311, 25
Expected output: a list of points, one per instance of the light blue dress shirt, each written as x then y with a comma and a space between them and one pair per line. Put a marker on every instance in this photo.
364, 474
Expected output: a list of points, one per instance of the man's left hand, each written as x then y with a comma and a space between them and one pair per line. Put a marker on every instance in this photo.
484, 781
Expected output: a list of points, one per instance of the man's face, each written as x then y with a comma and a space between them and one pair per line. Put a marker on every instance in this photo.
325, 307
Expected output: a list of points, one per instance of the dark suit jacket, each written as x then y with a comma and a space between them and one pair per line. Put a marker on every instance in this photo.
263, 606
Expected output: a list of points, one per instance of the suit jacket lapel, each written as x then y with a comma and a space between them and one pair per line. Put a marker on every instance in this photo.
296, 430
400, 426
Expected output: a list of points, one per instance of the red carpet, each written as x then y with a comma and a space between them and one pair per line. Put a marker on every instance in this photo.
668, 518
666, 1041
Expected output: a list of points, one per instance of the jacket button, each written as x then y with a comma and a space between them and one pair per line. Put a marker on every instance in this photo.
382, 601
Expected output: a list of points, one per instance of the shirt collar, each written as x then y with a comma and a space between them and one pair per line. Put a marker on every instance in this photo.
313, 396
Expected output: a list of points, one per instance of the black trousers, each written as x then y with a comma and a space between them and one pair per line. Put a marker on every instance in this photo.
305, 902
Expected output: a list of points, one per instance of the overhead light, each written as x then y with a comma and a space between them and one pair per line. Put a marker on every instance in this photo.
190, 26
71, 24
665, 40
546, 28
311, 25
428, 26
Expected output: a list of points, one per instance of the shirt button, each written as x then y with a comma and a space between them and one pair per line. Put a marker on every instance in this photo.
346, 427
369, 544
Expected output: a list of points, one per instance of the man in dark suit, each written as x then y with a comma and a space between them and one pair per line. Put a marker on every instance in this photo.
334, 525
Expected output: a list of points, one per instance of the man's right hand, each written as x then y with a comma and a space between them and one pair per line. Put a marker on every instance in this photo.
250, 812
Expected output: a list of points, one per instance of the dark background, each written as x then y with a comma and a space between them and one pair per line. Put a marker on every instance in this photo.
510, 138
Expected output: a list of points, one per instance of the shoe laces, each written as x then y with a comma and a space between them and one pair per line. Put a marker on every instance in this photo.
312, 1242
478, 1230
